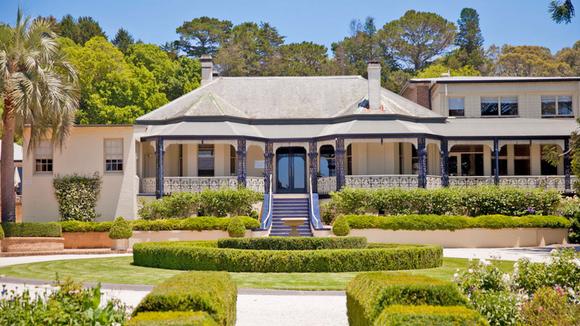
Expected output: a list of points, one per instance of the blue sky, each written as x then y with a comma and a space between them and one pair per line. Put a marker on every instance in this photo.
503, 21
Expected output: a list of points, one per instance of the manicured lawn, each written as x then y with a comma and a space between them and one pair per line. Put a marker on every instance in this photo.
120, 270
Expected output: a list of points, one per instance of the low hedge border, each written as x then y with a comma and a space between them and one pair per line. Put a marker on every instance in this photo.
50, 230
172, 318
174, 224
397, 315
212, 292
443, 222
204, 255
293, 243
369, 293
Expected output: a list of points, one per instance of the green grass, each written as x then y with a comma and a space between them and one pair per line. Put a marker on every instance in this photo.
120, 270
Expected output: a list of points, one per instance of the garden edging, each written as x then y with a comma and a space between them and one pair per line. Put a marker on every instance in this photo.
469, 238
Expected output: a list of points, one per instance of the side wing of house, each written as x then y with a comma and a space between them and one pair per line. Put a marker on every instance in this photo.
106, 150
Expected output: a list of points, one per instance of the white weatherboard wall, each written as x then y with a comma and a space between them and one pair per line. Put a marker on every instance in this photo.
83, 153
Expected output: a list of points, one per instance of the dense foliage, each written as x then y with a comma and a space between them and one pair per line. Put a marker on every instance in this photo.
69, 304
192, 224
224, 202
204, 255
398, 315
570, 208
236, 228
78, 226
172, 318
471, 201
32, 229
293, 243
77, 196
369, 293
509, 298
212, 292
120, 229
443, 222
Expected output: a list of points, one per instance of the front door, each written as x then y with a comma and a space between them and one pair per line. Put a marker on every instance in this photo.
291, 170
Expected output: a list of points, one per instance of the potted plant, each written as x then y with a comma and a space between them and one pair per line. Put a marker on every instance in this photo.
120, 233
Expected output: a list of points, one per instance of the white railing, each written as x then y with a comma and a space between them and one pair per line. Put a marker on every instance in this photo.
382, 181
467, 181
556, 182
433, 181
264, 223
326, 185
189, 184
255, 183
317, 223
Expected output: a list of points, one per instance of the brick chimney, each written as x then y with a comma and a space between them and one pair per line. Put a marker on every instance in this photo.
206, 69
374, 80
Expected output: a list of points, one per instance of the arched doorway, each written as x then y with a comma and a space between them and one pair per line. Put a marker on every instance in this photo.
291, 170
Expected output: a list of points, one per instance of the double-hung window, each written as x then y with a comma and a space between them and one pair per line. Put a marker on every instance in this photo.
557, 106
113, 155
43, 157
456, 106
499, 106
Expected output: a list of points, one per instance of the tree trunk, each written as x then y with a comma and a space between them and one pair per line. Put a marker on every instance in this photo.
7, 194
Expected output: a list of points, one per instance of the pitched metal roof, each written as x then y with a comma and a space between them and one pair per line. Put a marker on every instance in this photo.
259, 98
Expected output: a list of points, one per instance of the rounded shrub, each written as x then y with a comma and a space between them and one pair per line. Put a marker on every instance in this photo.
236, 228
205, 255
340, 227
121, 229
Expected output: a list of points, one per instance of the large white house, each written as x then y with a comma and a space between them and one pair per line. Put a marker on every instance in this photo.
317, 134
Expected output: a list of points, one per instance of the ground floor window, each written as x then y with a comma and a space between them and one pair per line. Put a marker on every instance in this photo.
205, 161
466, 160
327, 161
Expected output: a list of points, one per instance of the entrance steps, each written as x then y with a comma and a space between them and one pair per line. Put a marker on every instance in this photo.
290, 205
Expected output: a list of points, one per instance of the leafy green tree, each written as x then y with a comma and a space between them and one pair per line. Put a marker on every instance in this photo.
89, 28
248, 49
417, 37
469, 40
113, 90
203, 35
436, 70
571, 56
562, 11
38, 87
529, 60
123, 40
67, 27
299, 59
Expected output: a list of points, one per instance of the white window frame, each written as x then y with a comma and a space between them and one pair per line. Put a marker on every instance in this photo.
449, 106
113, 156
556, 102
499, 98
44, 151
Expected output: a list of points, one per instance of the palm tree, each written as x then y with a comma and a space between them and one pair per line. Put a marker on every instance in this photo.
38, 88
562, 11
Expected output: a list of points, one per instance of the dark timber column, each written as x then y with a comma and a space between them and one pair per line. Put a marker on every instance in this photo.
422, 152
313, 164
567, 166
444, 161
339, 153
160, 150
268, 165
496, 161
241, 162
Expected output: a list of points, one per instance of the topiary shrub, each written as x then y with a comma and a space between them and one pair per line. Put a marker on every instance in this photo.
201, 223
77, 196
172, 318
32, 229
398, 315
78, 226
120, 229
236, 228
212, 292
340, 227
369, 293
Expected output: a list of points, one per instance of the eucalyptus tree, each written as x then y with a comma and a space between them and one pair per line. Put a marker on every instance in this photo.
38, 88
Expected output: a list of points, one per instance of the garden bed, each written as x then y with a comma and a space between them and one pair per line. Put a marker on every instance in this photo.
205, 255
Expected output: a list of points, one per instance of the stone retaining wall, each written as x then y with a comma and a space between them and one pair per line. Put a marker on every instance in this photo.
29, 244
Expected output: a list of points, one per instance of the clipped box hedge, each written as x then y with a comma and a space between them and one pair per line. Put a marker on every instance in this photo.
79, 226
200, 223
204, 255
212, 292
369, 293
293, 243
443, 222
172, 318
29, 229
471, 201
398, 315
